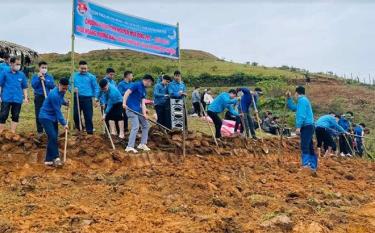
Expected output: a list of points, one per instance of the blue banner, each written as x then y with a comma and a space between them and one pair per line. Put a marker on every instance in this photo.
98, 23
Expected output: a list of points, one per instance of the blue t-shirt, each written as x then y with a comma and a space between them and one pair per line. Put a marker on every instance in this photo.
112, 97
134, 101
12, 84
123, 86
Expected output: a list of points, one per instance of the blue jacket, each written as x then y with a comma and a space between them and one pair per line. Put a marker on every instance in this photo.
358, 132
160, 91
4, 67
221, 102
123, 87
112, 97
12, 86
174, 88
134, 101
344, 123
247, 100
51, 108
36, 84
329, 122
304, 112
100, 95
86, 84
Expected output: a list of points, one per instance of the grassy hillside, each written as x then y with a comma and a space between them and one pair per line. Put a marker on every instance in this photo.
194, 64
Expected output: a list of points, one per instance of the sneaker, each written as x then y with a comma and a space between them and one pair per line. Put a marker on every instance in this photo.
57, 162
143, 147
349, 155
48, 163
131, 149
342, 154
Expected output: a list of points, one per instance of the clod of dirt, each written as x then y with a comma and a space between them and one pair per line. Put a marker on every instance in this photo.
349, 177
219, 202
280, 221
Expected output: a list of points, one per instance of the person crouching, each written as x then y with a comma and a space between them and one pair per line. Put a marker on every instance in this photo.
113, 112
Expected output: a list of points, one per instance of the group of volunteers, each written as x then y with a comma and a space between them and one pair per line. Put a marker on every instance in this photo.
126, 101
324, 128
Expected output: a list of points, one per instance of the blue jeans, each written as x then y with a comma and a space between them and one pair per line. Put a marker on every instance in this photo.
51, 129
309, 157
135, 121
85, 105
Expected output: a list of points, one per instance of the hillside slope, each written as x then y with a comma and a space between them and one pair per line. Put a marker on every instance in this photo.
193, 63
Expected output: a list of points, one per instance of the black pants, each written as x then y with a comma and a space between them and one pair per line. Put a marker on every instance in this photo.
249, 124
217, 121
85, 104
345, 144
197, 108
323, 136
164, 115
204, 106
14, 108
38, 102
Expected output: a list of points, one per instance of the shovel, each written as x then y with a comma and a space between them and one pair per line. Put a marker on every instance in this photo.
66, 136
264, 146
108, 133
152, 121
209, 126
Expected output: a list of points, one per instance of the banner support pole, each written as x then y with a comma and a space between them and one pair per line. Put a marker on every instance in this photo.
72, 69
183, 99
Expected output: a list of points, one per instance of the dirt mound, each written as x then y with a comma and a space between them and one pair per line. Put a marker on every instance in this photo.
236, 188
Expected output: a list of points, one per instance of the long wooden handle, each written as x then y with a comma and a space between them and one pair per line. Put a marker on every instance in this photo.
108, 133
66, 136
44, 89
152, 121
209, 126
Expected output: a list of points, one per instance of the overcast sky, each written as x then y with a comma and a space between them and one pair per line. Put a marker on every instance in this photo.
321, 35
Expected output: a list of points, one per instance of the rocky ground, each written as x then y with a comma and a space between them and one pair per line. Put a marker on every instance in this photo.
223, 189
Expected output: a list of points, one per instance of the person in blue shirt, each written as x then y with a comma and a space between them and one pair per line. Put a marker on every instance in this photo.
50, 115
86, 87
345, 141
123, 86
110, 75
161, 102
113, 111
244, 107
225, 100
5, 66
13, 92
324, 127
134, 104
37, 81
177, 90
359, 132
304, 127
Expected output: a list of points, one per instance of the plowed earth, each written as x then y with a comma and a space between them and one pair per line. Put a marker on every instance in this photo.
234, 188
